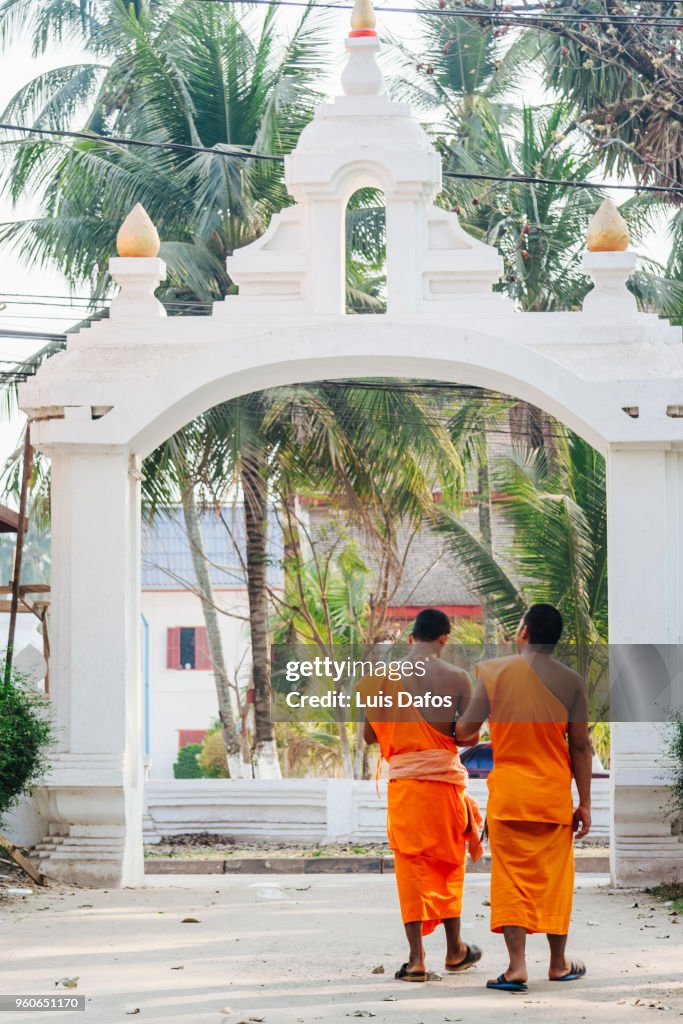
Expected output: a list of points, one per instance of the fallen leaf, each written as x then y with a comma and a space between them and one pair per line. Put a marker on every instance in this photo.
484, 903
179, 967
390, 999
257, 1020
130, 1013
67, 982
361, 1013
593, 924
378, 970
190, 920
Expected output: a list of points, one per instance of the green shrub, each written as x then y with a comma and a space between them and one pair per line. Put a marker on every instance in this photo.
675, 751
212, 760
187, 766
25, 734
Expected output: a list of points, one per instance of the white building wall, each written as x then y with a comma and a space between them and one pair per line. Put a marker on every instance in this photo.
186, 698
26, 632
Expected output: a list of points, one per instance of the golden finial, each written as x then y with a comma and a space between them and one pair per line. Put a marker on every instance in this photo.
607, 231
137, 235
363, 18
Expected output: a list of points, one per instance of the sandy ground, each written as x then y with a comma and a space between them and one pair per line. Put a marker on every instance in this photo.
287, 950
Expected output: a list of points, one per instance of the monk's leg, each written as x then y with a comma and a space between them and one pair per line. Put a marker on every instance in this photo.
456, 949
515, 940
559, 964
416, 958
558, 959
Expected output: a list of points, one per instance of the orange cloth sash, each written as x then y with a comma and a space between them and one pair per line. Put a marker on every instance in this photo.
440, 765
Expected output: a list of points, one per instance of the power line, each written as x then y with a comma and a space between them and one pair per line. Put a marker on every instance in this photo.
118, 140
34, 335
518, 179
518, 16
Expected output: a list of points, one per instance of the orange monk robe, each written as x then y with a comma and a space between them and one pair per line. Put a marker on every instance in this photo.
530, 808
430, 821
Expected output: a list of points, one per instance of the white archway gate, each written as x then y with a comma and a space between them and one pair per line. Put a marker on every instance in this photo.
125, 384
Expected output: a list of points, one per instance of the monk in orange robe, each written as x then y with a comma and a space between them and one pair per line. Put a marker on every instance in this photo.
537, 710
431, 819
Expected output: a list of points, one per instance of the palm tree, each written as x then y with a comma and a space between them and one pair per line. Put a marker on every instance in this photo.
206, 74
470, 428
381, 451
556, 511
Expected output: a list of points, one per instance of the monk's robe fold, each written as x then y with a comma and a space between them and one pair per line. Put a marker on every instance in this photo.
530, 809
431, 820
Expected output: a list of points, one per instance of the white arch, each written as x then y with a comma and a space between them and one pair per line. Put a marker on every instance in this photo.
153, 408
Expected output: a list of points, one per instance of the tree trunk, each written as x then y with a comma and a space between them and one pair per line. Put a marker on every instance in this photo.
345, 746
213, 634
486, 531
256, 522
360, 760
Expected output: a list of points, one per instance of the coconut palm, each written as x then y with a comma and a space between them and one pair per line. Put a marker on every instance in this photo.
380, 450
205, 74
556, 511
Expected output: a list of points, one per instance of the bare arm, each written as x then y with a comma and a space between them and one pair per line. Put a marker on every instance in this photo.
475, 714
369, 733
581, 754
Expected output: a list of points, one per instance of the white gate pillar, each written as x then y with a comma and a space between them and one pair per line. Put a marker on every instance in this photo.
93, 795
645, 560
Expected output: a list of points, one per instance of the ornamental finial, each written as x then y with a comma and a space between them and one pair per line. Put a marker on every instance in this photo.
363, 19
137, 235
607, 231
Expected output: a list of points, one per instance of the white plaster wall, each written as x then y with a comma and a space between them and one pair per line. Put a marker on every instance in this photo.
185, 699
296, 810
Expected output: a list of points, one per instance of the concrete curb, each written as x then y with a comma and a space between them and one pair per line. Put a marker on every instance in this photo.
591, 864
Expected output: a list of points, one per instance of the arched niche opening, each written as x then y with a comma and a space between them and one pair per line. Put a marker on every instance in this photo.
365, 253
411, 445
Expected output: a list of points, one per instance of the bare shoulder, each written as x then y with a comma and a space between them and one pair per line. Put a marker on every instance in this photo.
452, 678
570, 675
573, 684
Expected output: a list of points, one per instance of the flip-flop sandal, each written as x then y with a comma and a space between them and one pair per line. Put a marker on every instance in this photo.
472, 957
572, 974
501, 984
405, 975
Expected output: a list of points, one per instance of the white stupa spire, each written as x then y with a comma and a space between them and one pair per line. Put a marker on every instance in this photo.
362, 76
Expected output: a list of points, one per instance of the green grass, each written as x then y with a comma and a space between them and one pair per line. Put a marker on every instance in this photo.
669, 891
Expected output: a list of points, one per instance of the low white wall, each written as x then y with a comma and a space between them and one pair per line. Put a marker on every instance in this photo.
295, 810
24, 826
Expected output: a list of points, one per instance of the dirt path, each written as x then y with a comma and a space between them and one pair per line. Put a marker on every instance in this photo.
301, 949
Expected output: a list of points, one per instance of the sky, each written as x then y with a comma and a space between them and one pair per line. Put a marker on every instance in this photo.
19, 67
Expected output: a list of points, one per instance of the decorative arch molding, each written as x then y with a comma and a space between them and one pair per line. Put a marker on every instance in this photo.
146, 410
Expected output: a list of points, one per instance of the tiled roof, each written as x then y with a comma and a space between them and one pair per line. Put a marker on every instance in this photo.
430, 576
167, 556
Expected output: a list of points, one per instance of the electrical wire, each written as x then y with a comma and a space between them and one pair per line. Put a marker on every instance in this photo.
515, 179
517, 16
